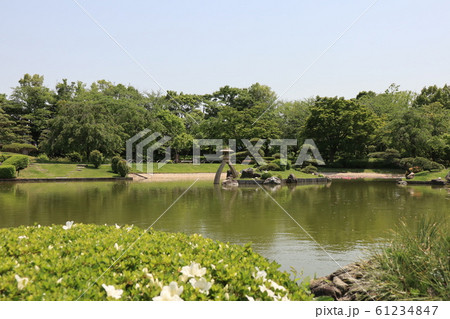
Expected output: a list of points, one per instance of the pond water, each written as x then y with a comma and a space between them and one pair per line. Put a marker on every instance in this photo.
344, 218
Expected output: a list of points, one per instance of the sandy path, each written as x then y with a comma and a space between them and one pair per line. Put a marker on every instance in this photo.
361, 175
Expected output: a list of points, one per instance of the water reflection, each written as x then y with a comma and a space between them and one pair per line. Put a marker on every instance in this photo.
344, 217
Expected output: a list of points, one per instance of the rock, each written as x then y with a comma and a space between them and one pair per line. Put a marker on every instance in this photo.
342, 286
315, 283
230, 182
327, 290
291, 179
229, 173
347, 278
249, 173
438, 181
410, 176
403, 183
273, 180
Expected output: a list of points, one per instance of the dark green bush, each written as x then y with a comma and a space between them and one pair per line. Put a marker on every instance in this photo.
266, 175
96, 158
418, 164
276, 155
114, 161
286, 166
19, 161
20, 148
42, 158
309, 169
7, 171
269, 167
56, 263
122, 168
75, 157
4, 157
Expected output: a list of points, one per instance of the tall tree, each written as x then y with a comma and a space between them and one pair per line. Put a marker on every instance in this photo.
340, 127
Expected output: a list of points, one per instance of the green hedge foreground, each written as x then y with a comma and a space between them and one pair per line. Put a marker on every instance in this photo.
62, 263
7, 171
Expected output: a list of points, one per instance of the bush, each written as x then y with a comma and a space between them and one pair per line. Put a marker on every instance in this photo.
18, 161
42, 158
309, 169
114, 161
276, 155
20, 148
418, 164
269, 167
96, 158
75, 157
286, 166
7, 171
122, 168
4, 157
266, 175
59, 264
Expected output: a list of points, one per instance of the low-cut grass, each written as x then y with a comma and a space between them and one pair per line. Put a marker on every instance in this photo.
44, 170
428, 176
415, 265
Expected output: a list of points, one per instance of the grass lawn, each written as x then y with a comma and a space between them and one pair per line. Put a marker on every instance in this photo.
428, 176
41, 170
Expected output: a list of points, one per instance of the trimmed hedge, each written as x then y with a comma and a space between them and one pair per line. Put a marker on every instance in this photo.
19, 161
20, 148
114, 161
96, 158
122, 168
7, 171
63, 262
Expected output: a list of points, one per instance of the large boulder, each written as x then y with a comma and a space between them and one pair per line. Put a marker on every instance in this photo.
273, 180
249, 173
229, 182
291, 179
410, 176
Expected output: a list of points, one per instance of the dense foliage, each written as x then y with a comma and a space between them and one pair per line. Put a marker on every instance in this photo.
63, 263
7, 171
96, 158
19, 148
18, 161
122, 168
75, 117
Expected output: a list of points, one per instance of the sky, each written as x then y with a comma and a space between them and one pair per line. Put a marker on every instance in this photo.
298, 48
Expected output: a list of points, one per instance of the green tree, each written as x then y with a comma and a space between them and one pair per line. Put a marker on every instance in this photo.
340, 127
432, 94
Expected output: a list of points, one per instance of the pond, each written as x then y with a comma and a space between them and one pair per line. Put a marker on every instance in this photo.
344, 219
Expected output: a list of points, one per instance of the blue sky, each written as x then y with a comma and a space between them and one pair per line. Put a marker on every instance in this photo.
199, 46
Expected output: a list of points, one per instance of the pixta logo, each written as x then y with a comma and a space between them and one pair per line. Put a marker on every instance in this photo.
145, 140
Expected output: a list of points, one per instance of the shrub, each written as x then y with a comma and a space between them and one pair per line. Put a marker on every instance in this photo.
283, 167
20, 148
122, 168
418, 164
96, 158
75, 157
309, 169
114, 161
19, 161
4, 157
266, 175
61, 263
7, 171
42, 158
276, 155
269, 167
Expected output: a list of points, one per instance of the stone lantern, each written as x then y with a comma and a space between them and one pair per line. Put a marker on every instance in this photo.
225, 161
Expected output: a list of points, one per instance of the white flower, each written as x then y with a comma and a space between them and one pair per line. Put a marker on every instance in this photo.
227, 296
113, 292
202, 285
116, 246
23, 237
117, 226
36, 267
21, 282
193, 270
137, 286
129, 228
213, 266
263, 289
50, 247
59, 280
276, 286
154, 281
260, 274
180, 255
68, 225
170, 293
250, 298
